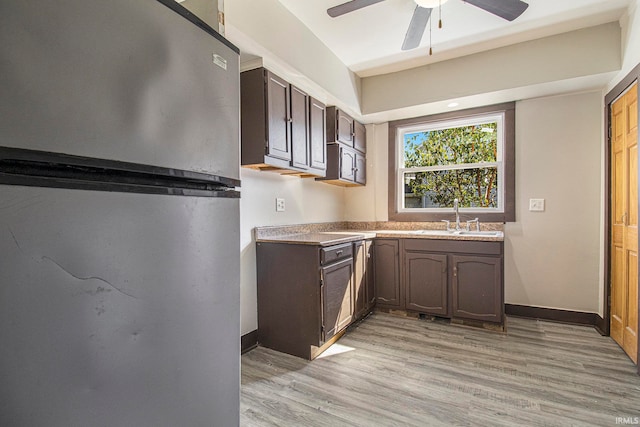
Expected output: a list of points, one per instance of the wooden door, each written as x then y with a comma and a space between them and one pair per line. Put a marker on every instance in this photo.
278, 118
624, 222
299, 128
426, 282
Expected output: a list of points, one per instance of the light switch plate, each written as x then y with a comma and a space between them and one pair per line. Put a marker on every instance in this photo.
280, 205
536, 205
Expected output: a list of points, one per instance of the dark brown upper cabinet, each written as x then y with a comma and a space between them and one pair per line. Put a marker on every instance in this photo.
346, 150
345, 166
280, 126
359, 137
299, 119
339, 127
360, 163
317, 134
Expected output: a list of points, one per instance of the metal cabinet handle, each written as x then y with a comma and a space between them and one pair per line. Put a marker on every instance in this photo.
339, 252
290, 120
455, 271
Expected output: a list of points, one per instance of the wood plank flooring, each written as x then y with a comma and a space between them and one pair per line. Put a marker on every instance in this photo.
395, 371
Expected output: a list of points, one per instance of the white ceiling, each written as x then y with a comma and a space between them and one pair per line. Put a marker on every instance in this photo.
368, 40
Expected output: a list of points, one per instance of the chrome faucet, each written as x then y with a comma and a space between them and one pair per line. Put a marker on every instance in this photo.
455, 209
458, 227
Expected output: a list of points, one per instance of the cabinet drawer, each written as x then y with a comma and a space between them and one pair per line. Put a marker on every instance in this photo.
334, 253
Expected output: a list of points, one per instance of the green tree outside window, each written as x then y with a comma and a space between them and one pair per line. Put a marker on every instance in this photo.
445, 152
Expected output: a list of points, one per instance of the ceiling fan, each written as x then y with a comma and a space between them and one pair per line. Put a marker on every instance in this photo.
507, 9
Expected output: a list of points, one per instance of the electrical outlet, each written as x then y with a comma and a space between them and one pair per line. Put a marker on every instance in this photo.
536, 205
279, 205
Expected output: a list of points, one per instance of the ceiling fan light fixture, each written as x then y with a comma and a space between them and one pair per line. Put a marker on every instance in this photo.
430, 4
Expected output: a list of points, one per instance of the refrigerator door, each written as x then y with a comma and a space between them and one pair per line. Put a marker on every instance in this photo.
119, 80
118, 309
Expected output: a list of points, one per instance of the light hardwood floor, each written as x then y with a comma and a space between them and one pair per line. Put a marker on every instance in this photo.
396, 371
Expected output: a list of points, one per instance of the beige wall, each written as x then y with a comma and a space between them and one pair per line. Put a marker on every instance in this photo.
207, 10
555, 58
630, 43
552, 258
306, 201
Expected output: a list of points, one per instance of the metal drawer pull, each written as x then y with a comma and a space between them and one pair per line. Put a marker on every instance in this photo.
339, 252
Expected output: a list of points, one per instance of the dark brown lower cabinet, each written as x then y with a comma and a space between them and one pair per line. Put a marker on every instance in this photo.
457, 279
476, 288
425, 276
387, 274
305, 295
363, 285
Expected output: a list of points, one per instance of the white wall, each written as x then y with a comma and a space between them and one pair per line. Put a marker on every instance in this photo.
552, 258
265, 28
306, 201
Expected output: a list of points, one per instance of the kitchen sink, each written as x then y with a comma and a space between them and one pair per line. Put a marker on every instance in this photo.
491, 233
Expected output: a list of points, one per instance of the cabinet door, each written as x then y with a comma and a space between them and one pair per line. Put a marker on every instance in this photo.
337, 297
278, 118
387, 274
361, 169
369, 275
344, 128
360, 277
347, 164
359, 137
299, 128
476, 288
425, 277
317, 134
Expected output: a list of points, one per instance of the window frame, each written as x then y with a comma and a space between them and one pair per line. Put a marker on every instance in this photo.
505, 213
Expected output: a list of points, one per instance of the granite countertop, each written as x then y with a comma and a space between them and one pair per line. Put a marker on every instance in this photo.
336, 237
321, 239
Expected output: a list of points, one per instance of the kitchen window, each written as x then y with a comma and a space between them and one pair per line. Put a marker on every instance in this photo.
466, 155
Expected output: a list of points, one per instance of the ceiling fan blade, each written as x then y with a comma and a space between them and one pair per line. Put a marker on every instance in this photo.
416, 28
507, 9
350, 6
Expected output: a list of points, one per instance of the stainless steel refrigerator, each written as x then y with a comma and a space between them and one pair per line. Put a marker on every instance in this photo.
119, 216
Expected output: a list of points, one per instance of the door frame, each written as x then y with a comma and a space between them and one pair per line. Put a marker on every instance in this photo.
619, 89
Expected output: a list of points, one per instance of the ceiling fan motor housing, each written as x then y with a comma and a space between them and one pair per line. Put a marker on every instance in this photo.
430, 3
